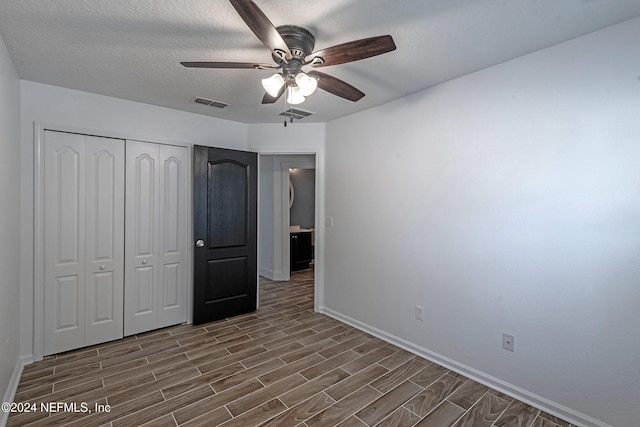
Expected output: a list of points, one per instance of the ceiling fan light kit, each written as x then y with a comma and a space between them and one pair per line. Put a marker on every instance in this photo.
294, 95
304, 85
291, 48
307, 84
273, 84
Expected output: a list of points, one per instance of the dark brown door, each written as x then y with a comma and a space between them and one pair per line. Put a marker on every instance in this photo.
225, 232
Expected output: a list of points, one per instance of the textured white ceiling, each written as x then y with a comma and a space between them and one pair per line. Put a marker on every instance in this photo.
132, 49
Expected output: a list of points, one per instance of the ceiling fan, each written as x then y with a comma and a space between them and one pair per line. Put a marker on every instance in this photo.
292, 48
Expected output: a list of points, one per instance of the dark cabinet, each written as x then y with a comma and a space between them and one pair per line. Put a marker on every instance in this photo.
301, 251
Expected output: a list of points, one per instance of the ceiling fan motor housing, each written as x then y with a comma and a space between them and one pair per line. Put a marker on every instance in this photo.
300, 42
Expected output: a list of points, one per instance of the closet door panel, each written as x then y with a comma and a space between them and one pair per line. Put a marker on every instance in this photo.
173, 235
141, 222
64, 241
171, 285
143, 302
105, 240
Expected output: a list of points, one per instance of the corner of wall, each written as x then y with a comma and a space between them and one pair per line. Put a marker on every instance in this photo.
13, 385
10, 241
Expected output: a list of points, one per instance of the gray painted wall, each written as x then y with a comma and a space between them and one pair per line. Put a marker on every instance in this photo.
303, 208
504, 201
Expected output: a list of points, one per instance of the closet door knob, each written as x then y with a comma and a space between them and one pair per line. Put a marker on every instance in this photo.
200, 243
144, 262
102, 267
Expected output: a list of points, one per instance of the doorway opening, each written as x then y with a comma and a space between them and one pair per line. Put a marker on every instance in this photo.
279, 219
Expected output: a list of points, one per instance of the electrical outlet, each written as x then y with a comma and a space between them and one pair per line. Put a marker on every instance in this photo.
508, 342
328, 221
419, 312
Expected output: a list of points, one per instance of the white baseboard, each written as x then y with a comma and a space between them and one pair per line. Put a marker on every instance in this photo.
280, 276
13, 385
516, 392
272, 275
265, 272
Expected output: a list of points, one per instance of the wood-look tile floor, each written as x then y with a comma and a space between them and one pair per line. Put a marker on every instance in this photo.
283, 365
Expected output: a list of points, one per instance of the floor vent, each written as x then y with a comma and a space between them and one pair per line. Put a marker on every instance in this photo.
296, 114
209, 102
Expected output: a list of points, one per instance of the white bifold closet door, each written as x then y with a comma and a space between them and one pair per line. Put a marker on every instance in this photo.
156, 236
83, 240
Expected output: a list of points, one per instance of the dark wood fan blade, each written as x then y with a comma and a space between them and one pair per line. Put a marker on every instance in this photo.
262, 27
336, 86
228, 65
351, 51
268, 99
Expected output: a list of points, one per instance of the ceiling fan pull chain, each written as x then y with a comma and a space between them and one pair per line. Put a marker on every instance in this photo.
285, 106
290, 114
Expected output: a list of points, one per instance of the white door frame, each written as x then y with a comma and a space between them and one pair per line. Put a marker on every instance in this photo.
318, 300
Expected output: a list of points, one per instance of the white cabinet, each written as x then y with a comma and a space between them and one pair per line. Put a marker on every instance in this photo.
156, 223
114, 218
83, 240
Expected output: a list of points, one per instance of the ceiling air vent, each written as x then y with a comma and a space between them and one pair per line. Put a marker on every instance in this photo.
296, 114
209, 102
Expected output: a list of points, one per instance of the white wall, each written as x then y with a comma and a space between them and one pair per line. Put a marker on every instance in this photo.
266, 218
504, 201
9, 220
109, 117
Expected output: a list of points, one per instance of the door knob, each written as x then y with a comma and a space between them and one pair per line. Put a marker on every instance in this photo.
144, 262
200, 243
102, 267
